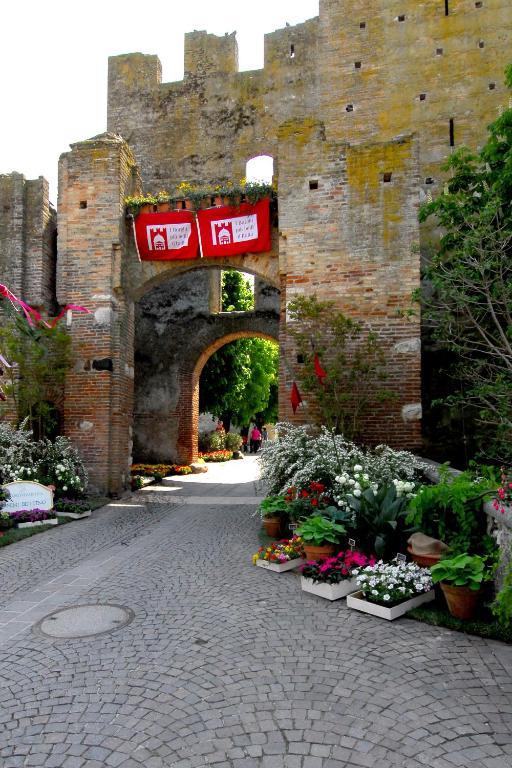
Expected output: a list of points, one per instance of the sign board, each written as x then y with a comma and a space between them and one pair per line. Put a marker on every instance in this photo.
26, 494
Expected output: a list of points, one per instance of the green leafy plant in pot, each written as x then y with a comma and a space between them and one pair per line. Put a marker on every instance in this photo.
320, 536
274, 515
461, 579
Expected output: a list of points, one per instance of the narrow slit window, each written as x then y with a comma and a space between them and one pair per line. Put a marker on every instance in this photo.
446, 7
401, 18
481, 44
423, 96
386, 177
492, 86
300, 359
292, 51
83, 204
357, 64
452, 132
349, 108
362, 25
313, 184
439, 51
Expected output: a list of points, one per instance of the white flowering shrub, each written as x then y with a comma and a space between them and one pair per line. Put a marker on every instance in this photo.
55, 463
298, 456
392, 583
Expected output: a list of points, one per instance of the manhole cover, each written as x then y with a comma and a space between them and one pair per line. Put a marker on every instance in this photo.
85, 620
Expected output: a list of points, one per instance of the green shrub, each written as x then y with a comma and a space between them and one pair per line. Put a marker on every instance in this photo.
379, 524
232, 441
318, 530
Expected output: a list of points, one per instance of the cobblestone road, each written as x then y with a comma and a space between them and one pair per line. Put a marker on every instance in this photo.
225, 664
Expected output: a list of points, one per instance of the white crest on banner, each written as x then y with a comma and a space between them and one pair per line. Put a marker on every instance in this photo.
168, 237
235, 230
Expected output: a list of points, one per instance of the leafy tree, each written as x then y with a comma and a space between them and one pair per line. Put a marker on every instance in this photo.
239, 382
40, 357
354, 363
468, 297
237, 295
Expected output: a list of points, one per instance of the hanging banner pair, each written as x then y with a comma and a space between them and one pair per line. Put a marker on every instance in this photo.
213, 232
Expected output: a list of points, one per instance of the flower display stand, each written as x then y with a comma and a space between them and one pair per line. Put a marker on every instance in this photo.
50, 521
328, 591
289, 565
75, 515
358, 602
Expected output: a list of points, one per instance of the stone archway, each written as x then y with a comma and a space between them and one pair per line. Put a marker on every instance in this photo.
176, 332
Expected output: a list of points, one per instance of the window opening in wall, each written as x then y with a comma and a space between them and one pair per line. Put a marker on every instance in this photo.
478, 4
429, 180
452, 132
439, 51
260, 168
423, 96
446, 7
300, 359
237, 291
386, 177
362, 25
292, 51
481, 44
349, 108
357, 64
83, 204
492, 86
401, 18
313, 184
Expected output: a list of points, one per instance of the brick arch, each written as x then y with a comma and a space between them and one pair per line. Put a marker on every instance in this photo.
189, 387
143, 277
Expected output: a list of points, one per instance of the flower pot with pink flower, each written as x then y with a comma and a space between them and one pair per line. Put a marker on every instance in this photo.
332, 578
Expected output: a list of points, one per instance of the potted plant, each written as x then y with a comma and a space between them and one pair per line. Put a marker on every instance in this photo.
75, 509
461, 579
280, 555
380, 517
6, 522
389, 590
274, 515
29, 518
320, 536
332, 578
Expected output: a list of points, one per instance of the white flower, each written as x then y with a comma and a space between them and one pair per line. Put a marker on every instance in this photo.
386, 597
358, 468
366, 476
64, 487
374, 592
357, 492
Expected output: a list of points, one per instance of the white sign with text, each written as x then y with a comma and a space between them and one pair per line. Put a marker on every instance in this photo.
25, 494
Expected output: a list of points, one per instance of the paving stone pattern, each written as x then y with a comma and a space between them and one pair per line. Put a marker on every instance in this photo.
233, 666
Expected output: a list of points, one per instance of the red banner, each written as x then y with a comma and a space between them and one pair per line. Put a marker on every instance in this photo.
166, 236
229, 230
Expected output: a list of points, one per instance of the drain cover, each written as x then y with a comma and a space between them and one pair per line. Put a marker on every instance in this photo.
85, 620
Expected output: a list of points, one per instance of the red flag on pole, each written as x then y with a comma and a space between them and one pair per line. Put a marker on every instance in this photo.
231, 229
319, 371
295, 397
166, 236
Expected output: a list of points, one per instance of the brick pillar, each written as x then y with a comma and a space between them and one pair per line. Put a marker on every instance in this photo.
93, 179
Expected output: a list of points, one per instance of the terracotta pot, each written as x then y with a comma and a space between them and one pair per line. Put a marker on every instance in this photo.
317, 552
189, 205
461, 601
146, 208
217, 200
424, 561
272, 526
163, 207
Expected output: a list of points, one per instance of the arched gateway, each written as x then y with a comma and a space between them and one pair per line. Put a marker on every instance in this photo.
358, 119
